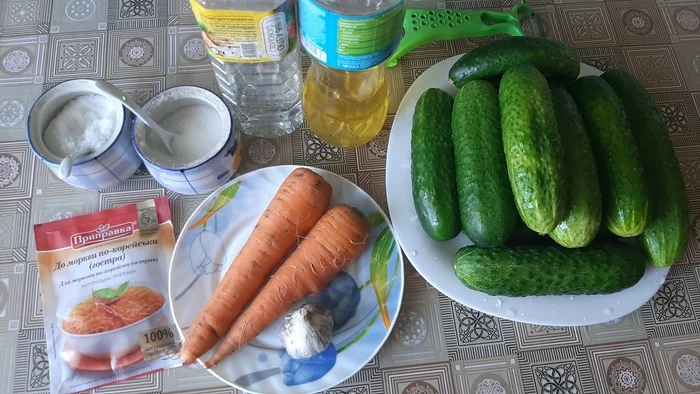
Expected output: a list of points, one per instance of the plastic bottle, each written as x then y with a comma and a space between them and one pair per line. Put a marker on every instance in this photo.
346, 94
254, 52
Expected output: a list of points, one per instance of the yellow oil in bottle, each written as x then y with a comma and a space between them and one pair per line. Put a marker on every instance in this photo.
346, 109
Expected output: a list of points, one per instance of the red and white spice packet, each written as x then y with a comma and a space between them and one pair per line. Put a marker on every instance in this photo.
104, 284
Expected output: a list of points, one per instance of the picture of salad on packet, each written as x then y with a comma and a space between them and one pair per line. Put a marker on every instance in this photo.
104, 279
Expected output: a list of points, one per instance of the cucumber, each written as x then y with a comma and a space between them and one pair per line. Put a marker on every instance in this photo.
532, 148
537, 270
582, 219
486, 205
553, 59
622, 183
666, 236
433, 166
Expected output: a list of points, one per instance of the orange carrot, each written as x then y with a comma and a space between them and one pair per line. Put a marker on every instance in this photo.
334, 242
298, 204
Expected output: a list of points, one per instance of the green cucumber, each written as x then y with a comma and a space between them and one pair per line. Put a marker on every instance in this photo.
666, 236
622, 180
582, 219
486, 204
532, 148
553, 59
537, 270
433, 166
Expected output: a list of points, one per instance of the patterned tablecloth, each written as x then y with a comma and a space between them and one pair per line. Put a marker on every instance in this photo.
438, 346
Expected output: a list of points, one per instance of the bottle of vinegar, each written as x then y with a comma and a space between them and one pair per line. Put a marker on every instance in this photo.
346, 94
254, 52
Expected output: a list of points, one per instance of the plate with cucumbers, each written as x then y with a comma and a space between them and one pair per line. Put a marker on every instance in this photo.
530, 186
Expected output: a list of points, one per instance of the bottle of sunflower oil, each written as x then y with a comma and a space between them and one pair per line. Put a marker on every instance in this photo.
346, 94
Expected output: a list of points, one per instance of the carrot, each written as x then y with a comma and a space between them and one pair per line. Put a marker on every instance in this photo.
339, 237
300, 201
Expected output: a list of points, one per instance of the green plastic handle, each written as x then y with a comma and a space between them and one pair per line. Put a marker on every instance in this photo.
424, 26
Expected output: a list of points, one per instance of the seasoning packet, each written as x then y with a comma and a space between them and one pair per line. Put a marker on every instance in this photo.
104, 285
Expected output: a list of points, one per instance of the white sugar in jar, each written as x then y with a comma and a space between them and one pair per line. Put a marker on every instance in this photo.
199, 136
75, 114
85, 122
207, 146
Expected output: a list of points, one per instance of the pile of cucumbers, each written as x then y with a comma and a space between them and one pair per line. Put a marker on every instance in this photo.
528, 147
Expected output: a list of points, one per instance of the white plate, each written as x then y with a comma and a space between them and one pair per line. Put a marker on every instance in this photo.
203, 253
433, 260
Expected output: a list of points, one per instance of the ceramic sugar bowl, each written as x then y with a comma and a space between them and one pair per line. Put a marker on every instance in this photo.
74, 118
207, 150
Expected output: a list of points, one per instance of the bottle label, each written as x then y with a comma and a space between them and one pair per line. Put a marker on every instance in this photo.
349, 42
247, 36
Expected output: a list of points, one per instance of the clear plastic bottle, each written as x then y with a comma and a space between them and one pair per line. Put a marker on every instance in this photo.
346, 94
254, 53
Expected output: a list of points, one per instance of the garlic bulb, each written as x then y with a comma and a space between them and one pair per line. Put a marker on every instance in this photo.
307, 331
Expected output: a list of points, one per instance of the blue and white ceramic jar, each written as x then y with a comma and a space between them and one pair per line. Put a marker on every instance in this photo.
112, 164
208, 147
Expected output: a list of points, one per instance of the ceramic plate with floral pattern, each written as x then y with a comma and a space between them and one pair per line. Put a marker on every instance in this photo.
364, 299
